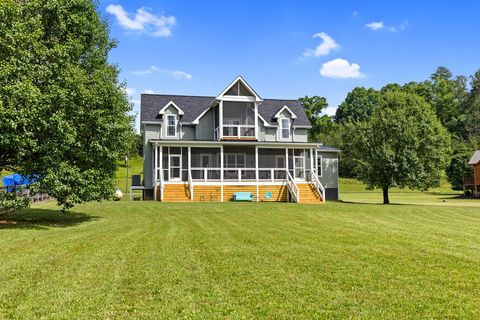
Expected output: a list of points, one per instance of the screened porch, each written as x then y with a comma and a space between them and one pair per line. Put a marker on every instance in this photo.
238, 164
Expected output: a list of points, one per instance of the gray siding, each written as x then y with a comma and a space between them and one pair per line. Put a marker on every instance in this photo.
329, 177
205, 129
261, 130
187, 133
270, 134
301, 135
150, 131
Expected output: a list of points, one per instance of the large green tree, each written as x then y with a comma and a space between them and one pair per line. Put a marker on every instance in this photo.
402, 144
358, 105
314, 109
64, 113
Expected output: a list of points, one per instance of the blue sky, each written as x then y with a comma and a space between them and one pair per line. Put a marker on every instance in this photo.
288, 49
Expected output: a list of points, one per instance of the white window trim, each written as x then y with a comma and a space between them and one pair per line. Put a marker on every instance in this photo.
280, 129
321, 165
171, 103
175, 135
277, 115
223, 95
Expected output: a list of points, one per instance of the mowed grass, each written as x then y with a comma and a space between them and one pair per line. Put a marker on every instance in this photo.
148, 260
354, 191
135, 167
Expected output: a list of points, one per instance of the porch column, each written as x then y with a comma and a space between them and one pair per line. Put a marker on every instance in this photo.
189, 170
256, 171
286, 161
220, 122
155, 170
311, 163
256, 121
160, 174
221, 172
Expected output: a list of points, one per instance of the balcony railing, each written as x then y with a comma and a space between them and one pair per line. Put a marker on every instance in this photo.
237, 131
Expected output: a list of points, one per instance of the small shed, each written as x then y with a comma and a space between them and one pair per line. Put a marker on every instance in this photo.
475, 162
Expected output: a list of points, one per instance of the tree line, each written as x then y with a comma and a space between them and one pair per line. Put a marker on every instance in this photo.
408, 135
63, 111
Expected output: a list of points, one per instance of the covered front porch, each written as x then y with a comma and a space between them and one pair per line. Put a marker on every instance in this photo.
235, 164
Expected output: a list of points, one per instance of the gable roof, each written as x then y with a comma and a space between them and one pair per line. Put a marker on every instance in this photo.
194, 106
294, 116
475, 158
269, 108
171, 103
241, 80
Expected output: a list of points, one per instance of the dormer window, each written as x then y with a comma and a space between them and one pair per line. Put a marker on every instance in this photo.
171, 125
285, 128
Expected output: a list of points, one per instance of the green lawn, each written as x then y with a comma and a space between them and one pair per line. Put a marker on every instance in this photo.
148, 260
136, 167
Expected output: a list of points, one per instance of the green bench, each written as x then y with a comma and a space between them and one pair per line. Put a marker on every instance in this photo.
243, 196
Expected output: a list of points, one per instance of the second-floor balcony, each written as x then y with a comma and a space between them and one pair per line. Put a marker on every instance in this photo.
235, 121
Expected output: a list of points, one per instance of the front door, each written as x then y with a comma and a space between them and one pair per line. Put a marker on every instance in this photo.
299, 167
175, 167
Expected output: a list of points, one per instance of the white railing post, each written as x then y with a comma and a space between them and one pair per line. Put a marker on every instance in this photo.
239, 175
220, 120
272, 174
221, 171
205, 174
256, 170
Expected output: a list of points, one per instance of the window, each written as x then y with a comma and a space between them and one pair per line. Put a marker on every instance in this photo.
319, 166
171, 125
235, 160
285, 128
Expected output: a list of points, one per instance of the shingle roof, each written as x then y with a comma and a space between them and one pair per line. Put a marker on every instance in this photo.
270, 107
193, 106
323, 148
475, 158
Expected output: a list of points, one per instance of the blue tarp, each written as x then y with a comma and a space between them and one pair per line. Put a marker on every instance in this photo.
16, 180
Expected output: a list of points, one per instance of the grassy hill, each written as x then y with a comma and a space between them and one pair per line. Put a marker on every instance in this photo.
151, 260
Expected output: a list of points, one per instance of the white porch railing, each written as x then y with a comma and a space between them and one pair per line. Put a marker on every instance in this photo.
318, 185
238, 131
205, 174
293, 188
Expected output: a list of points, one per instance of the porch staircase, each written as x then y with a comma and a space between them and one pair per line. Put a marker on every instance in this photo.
176, 193
309, 193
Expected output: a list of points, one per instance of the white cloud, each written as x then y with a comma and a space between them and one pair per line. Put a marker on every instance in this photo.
143, 21
142, 72
130, 91
149, 91
400, 27
330, 111
340, 69
375, 25
324, 48
181, 75
172, 73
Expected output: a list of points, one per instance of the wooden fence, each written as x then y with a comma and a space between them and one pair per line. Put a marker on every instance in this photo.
23, 191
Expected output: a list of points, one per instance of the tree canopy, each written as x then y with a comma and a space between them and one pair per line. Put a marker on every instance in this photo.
402, 144
64, 113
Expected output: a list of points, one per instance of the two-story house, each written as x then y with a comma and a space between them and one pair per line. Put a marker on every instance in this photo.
200, 148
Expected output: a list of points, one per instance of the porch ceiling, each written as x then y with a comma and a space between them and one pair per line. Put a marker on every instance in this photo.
235, 143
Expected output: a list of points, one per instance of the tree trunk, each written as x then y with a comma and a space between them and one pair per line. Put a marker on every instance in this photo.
385, 196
